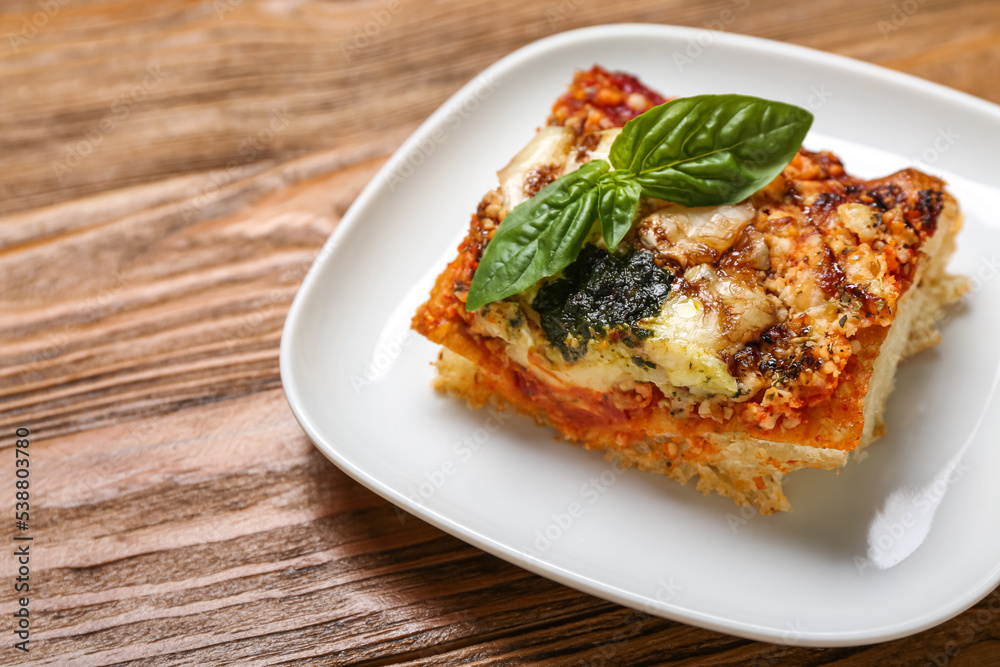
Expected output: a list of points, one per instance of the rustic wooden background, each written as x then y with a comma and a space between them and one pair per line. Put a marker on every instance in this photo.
168, 171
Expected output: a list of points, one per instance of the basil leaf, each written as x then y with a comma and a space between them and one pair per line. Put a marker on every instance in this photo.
709, 150
618, 200
539, 238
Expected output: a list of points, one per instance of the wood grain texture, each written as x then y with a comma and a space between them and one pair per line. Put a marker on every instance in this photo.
168, 172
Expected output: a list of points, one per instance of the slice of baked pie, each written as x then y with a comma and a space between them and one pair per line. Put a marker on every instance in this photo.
733, 342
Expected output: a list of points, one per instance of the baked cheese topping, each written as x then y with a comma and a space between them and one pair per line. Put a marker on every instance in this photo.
760, 302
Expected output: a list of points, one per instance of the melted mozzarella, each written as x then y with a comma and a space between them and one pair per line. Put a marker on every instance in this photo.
700, 234
599, 152
687, 343
549, 147
682, 347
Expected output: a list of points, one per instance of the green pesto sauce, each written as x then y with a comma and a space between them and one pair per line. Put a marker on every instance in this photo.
600, 292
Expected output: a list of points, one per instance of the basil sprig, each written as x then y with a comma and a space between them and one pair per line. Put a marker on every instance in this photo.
706, 150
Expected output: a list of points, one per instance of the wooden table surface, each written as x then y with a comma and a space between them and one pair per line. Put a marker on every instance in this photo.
168, 171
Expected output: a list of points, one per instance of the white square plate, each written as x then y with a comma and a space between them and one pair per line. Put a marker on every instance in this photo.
889, 547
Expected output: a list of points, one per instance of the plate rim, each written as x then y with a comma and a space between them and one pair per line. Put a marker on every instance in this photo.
579, 581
